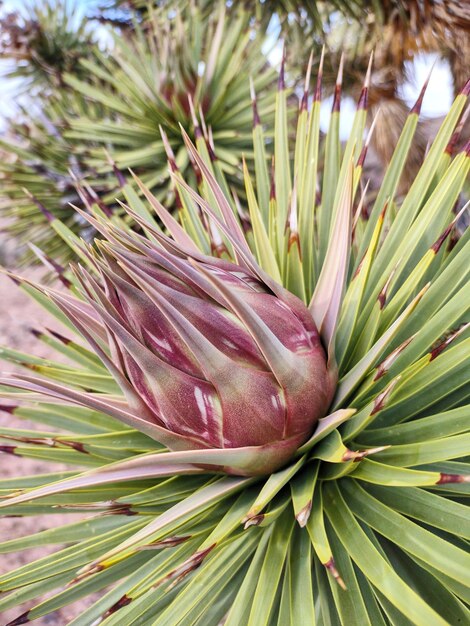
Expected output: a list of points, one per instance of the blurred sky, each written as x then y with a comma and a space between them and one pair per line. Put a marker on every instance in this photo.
437, 101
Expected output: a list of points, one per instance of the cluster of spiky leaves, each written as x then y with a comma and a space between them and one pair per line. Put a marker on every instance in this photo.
159, 74
178, 65
366, 524
44, 40
41, 43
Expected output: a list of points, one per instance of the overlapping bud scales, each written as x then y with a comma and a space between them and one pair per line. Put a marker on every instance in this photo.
212, 354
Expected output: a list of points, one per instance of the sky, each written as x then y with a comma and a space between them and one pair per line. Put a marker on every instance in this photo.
437, 100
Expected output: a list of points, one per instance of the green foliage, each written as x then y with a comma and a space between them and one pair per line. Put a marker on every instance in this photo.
366, 523
44, 40
157, 75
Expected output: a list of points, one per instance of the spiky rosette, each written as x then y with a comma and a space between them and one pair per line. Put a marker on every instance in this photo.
183, 62
313, 344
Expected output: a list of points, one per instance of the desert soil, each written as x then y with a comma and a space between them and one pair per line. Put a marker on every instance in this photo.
18, 314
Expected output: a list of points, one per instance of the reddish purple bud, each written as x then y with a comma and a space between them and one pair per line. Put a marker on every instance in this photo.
212, 354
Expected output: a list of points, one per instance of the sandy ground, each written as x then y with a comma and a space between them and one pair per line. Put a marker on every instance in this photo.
18, 314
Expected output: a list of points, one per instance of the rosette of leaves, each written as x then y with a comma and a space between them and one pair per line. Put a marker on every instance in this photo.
169, 70
39, 173
39, 44
43, 41
221, 487
159, 74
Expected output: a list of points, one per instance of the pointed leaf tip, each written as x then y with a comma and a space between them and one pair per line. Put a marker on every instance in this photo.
281, 82
444, 343
416, 108
303, 515
466, 88
331, 568
453, 478
318, 87
362, 102
337, 93
254, 104
9, 408
21, 619
47, 214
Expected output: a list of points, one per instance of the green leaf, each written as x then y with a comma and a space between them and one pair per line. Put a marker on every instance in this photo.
372, 564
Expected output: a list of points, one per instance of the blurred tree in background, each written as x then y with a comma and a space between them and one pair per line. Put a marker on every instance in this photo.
109, 81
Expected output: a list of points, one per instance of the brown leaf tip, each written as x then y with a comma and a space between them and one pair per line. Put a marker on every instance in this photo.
15, 279
466, 88
336, 100
466, 149
60, 337
382, 297
119, 175
416, 108
282, 82
453, 478
9, 450
8, 408
256, 118
189, 565
122, 602
358, 455
331, 567
362, 102
437, 245
442, 344
168, 542
88, 571
272, 189
255, 520
304, 513
318, 87
21, 619
382, 398
385, 365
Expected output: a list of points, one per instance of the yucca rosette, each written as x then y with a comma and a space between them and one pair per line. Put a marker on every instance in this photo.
305, 339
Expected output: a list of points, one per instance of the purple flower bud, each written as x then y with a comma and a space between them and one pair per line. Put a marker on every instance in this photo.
214, 355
